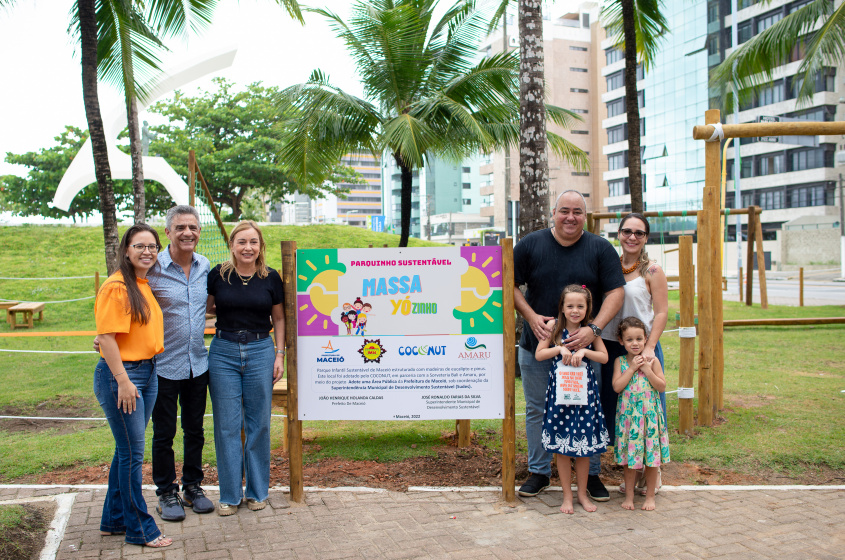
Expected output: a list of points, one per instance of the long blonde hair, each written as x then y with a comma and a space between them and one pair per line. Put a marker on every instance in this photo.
260, 262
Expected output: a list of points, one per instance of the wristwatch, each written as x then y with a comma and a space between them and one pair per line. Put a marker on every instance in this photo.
595, 329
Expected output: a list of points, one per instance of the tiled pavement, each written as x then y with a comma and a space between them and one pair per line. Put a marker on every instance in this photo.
773, 522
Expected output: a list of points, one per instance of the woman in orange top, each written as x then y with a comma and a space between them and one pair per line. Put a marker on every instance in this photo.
130, 329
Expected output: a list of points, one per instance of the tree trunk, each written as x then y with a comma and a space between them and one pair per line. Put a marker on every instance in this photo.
632, 107
405, 207
135, 151
533, 159
102, 170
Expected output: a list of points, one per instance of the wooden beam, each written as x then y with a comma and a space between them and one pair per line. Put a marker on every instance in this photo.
748, 130
761, 259
509, 421
749, 260
686, 369
192, 177
294, 423
784, 322
712, 202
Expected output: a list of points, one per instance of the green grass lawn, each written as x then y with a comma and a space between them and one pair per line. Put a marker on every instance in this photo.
783, 413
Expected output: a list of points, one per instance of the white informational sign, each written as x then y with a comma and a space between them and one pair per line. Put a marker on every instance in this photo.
392, 334
571, 385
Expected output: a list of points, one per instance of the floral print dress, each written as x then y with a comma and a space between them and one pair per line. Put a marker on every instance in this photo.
641, 435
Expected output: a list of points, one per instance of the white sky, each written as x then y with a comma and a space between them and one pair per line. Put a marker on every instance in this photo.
41, 77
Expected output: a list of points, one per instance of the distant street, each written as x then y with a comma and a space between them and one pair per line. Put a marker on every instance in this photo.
783, 289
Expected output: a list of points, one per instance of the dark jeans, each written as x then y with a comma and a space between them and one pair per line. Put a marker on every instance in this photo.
191, 395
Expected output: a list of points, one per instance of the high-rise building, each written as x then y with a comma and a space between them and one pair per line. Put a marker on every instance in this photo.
573, 63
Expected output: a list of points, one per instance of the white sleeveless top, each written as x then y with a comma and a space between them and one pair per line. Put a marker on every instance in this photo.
638, 303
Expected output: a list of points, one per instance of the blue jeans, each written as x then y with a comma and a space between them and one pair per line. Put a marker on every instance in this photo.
535, 379
125, 509
241, 386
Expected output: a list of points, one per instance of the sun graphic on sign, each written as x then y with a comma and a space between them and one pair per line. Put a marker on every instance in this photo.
317, 274
480, 310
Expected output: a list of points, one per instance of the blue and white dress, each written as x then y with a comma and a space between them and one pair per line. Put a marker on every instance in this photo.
574, 430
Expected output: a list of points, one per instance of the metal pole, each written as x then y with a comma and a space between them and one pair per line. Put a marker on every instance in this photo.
841, 231
737, 158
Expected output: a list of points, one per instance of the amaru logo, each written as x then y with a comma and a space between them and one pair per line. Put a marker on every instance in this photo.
330, 354
422, 350
473, 350
472, 344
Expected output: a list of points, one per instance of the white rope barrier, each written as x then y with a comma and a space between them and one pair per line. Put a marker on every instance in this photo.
50, 351
55, 278
92, 419
59, 301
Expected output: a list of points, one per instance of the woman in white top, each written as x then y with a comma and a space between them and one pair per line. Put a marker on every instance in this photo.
646, 298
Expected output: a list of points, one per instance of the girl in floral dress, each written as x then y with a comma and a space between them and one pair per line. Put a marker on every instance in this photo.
641, 436
573, 430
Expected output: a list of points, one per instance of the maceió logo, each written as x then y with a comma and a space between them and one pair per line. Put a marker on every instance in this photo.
472, 344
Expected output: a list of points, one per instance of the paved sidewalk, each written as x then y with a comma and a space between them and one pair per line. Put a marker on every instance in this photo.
772, 522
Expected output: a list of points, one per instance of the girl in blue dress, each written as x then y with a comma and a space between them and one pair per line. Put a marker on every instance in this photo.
573, 430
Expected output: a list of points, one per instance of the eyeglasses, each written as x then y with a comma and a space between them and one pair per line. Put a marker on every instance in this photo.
639, 234
140, 247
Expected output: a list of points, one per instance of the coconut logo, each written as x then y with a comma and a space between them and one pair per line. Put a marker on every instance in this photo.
424, 350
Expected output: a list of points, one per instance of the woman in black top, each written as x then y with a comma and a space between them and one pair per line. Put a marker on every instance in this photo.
243, 366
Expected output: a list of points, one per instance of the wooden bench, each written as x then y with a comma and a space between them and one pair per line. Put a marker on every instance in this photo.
28, 309
6, 305
280, 399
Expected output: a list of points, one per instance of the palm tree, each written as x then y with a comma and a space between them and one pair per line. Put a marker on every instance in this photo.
426, 95
638, 26
752, 64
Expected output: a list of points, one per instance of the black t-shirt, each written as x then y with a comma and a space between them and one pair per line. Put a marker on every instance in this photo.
547, 267
245, 308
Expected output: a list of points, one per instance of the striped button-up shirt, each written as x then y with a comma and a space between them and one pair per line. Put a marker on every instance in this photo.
182, 302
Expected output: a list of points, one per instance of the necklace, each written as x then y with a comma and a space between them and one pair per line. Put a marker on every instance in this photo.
245, 282
628, 270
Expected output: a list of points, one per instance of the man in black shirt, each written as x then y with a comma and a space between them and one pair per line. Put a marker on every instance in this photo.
546, 261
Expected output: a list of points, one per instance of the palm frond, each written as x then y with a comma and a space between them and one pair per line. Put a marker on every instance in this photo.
752, 65
649, 23
411, 138
172, 18
562, 117
293, 9
566, 150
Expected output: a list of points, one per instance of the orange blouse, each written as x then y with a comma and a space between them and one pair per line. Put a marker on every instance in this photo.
111, 310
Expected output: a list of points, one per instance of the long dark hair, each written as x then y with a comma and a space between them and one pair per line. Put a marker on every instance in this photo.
642, 261
139, 309
560, 324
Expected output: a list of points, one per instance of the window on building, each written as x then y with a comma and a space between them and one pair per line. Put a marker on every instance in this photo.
464, 169
769, 164
616, 107
467, 201
744, 32
617, 161
613, 55
580, 132
640, 72
585, 20
615, 81
578, 90
617, 187
823, 113
772, 93
767, 20
575, 69
747, 168
580, 111
617, 134
712, 12
802, 196
574, 48
748, 199
466, 185
641, 98
812, 158
581, 173
772, 200
713, 44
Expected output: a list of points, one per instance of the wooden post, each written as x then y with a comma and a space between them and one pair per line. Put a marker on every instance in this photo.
686, 370
739, 277
712, 202
761, 258
749, 257
294, 423
96, 282
705, 324
509, 421
463, 431
801, 287
590, 222
192, 177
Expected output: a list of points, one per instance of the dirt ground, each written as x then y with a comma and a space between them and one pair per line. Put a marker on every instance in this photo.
475, 465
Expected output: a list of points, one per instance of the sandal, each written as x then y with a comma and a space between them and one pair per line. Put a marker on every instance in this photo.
159, 542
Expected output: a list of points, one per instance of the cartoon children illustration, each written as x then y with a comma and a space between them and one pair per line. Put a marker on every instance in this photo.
358, 304
352, 316
362, 324
345, 320
367, 308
